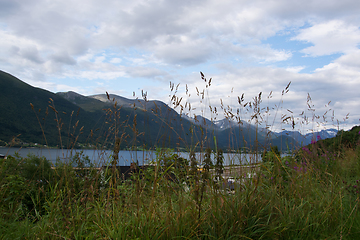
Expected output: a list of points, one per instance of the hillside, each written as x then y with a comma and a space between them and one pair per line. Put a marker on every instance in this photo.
19, 119
86, 103
184, 131
140, 123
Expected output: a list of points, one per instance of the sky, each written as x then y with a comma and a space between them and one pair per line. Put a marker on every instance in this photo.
132, 48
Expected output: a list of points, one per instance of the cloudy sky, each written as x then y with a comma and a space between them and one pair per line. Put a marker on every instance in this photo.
245, 46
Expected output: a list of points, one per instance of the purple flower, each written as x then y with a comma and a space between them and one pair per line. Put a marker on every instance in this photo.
313, 141
306, 150
318, 137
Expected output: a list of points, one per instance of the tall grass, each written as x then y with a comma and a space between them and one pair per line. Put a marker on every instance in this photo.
311, 194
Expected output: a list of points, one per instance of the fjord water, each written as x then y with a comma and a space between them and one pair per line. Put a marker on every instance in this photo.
126, 157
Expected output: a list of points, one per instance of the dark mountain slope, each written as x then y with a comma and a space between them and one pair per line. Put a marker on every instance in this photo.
139, 127
18, 117
140, 123
86, 103
156, 123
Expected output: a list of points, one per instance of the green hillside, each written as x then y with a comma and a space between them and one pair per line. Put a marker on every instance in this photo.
86, 103
19, 119
344, 139
158, 128
148, 124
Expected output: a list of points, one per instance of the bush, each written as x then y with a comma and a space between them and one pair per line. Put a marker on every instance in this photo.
272, 155
24, 184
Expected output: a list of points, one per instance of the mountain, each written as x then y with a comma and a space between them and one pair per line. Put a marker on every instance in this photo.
157, 124
309, 137
154, 106
58, 118
188, 131
85, 103
203, 122
343, 139
19, 118
145, 123
229, 134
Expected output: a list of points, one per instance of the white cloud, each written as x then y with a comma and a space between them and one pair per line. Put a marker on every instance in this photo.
331, 37
44, 42
145, 72
184, 51
116, 60
263, 54
91, 75
295, 69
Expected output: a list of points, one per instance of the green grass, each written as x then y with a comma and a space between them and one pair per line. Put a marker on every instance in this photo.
312, 194
281, 202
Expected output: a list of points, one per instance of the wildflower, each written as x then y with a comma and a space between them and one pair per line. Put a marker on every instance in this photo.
306, 150
313, 141
318, 137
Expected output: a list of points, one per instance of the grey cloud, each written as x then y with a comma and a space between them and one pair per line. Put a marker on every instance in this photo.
185, 52
38, 76
31, 53
142, 25
63, 57
145, 72
309, 9
8, 7
174, 33
49, 26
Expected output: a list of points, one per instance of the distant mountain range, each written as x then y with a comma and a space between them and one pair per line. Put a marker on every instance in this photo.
294, 135
139, 123
307, 138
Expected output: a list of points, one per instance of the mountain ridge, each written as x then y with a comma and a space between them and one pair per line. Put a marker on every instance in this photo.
145, 123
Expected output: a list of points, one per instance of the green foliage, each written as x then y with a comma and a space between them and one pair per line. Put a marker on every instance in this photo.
343, 140
300, 197
311, 195
176, 167
272, 155
207, 165
219, 165
24, 184
194, 174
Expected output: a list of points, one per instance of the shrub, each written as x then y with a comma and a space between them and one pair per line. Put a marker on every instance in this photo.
24, 184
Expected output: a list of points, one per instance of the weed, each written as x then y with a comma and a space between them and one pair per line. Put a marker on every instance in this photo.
312, 193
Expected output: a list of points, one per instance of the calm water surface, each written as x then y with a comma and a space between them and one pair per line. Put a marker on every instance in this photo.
103, 157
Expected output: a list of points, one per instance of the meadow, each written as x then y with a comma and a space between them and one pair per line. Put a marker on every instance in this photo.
312, 193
